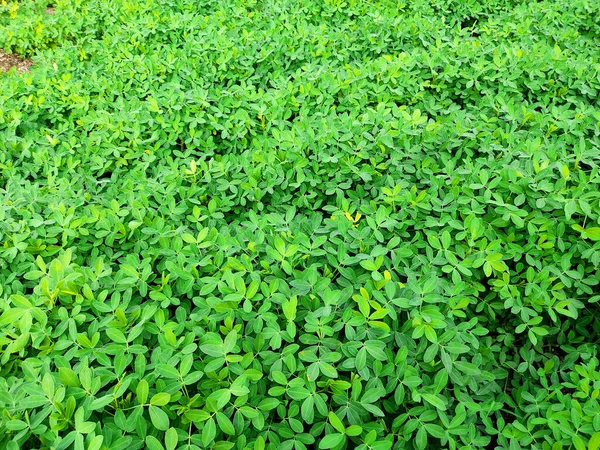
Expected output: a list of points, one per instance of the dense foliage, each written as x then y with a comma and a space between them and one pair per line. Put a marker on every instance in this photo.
277, 224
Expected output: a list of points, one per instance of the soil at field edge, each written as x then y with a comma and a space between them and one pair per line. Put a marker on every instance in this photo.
9, 60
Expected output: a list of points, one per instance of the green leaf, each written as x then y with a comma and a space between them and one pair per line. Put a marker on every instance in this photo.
197, 415
153, 444
368, 265
142, 391
213, 350
167, 371
312, 372
225, 424
361, 359
446, 361
11, 316
289, 308
372, 395
592, 233
249, 412
171, 439
434, 400
188, 238
16, 425
467, 368
101, 402
376, 350
159, 418
230, 341
68, 376
160, 399
307, 409
421, 439
430, 334
354, 430
373, 409
279, 377
594, 443
209, 432
116, 335
578, 443
331, 440
327, 369
336, 422
222, 397
96, 443
456, 348
570, 208
268, 404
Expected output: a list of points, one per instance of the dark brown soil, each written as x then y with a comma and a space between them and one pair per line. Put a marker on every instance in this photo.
8, 61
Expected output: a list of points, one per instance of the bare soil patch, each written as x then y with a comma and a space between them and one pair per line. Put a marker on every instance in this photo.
50, 10
10, 60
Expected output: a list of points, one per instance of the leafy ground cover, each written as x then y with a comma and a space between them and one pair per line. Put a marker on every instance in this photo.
300, 224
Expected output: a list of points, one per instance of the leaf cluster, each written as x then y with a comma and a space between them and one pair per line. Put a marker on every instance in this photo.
300, 224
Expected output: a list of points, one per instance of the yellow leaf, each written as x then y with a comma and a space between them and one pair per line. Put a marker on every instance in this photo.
363, 305
594, 443
592, 233
379, 314
381, 325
